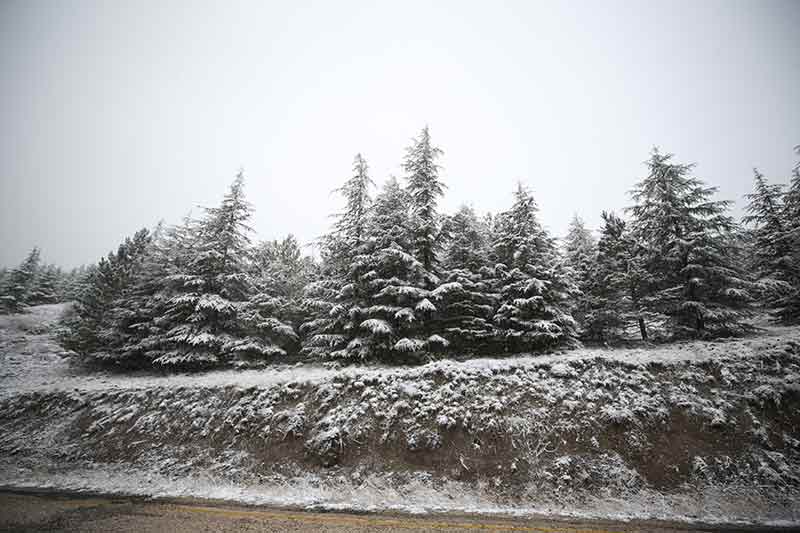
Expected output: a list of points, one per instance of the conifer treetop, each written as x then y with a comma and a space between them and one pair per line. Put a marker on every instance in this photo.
425, 188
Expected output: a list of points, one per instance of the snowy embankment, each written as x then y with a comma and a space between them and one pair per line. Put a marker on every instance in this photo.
706, 431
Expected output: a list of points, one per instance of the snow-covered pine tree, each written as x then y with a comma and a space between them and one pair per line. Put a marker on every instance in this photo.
532, 281
135, 312
350, 226
611, 289
282, 274
73, 283
687, 244
580, 251
769, 241
579, 246
90, 329
466, 246
210, 318
125, 265
384, 306
466, 299
78, 330
283, 262
19, 284
789, 310
424, 188
390, 218
45, 285
143, 317
322, 329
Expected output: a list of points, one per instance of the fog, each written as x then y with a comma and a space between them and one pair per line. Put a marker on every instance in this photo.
117, 115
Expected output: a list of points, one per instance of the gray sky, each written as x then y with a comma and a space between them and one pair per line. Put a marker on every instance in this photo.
117, 114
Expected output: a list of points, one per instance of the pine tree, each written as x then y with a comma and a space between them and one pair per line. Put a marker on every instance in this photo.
282, 274
73, 283
532, 281
390, 220
613, 301
45, 286
384, 308
789, 304
425, 189
322, 329
19, 284
467, 245
350, 227
466, 298
136, 310
90, 329
687, 242
580, 249
770, 243
281, 260
210, 318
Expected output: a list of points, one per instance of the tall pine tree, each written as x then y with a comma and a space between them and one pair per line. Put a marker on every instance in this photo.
789, 306
467, 299
532, 281
384, 308
612, 292
425, 188
687, 244
769, 244
580, 249
90, 329
20, 283
210, 317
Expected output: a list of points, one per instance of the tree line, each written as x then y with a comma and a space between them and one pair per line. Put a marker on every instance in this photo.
400, 281
33, 282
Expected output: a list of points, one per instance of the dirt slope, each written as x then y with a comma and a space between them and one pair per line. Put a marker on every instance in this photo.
706, 431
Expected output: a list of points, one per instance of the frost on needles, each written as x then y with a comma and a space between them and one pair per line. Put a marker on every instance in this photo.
400, 281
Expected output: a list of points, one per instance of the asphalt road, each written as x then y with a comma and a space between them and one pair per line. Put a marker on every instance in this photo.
40, 512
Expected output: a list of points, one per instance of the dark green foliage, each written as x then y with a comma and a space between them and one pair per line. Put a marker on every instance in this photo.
350, 229
580, 250
33, 283
90, 329
466, 298
187, 296
770, 243
72, 283
383, 308
467, 301
789, 305
281, 274
687, 243
614, 283
45, 289
208, 316
468, 241
532, 281
424, 189
20, 284
400, 282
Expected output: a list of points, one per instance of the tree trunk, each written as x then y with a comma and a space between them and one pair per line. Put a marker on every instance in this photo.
642, 329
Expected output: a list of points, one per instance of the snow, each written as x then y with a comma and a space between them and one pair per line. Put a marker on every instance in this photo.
381, 493
206, 434
33, 361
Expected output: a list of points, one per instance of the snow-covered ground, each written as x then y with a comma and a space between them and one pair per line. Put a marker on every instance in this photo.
31, 360
706, 431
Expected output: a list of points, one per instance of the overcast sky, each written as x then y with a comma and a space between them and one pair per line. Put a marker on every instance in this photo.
117, 114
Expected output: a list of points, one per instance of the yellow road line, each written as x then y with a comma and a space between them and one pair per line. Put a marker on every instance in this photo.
379, 522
